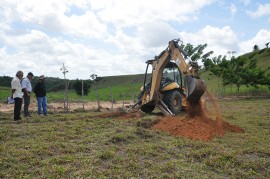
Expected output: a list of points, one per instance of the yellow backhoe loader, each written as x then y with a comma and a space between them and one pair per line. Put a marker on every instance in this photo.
173, 84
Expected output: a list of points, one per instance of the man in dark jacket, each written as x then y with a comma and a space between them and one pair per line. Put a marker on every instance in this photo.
40, 91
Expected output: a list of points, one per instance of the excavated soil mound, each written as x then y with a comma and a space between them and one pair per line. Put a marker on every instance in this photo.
198, 128
197, 125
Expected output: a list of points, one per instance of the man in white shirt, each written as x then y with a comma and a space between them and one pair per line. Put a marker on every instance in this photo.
27, 89
17, 94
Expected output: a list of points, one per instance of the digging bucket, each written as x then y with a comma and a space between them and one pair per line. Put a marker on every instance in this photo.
195, 88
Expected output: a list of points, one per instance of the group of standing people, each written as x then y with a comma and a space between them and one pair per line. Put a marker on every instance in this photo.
21, 92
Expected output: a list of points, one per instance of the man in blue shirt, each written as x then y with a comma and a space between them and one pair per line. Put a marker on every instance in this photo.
27, 89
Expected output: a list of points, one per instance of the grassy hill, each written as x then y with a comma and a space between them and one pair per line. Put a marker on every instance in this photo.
120, 80
263, 57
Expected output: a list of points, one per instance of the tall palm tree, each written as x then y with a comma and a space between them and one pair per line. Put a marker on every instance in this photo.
267, 44
256, 48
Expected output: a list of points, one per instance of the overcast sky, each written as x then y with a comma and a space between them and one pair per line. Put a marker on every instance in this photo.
116, 37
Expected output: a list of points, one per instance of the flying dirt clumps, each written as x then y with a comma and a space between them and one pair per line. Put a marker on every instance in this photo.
197, 125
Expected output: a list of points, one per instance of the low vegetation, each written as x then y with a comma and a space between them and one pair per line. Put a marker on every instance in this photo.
86, 146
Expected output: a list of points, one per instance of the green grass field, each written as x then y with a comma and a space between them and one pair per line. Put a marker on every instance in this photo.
84, 146
4, 93
117, 93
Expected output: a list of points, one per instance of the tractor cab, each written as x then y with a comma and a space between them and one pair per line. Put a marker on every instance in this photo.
171, 73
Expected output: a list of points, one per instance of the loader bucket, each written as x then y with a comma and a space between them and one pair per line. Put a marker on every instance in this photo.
195, 88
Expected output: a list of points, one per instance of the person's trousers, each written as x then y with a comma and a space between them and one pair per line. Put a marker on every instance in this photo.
17, 108
26, 100
42, 105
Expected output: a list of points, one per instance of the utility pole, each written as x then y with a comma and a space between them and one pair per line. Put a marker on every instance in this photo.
94, 77
83, 96
64, 71
82, 88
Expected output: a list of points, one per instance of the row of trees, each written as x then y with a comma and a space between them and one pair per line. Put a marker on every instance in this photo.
52, 84
240, 71
235, 71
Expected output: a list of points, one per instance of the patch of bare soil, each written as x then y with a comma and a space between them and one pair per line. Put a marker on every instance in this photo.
59, 106
197, 125
121, 114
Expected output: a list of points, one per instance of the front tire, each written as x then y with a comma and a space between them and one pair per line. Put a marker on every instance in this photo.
173, 100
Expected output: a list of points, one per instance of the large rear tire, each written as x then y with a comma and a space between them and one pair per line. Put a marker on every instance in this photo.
173, 100
146, 108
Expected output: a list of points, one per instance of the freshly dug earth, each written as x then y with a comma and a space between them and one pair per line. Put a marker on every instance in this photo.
198, 128
197, 125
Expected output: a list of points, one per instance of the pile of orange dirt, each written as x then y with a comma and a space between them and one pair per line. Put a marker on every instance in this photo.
121, 114
197, 125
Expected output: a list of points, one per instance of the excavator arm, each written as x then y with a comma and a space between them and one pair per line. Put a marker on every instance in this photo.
194, 85
174, 53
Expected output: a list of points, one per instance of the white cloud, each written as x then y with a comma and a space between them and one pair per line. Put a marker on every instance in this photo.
52, 15
233, 9
261, 38
86, 25
131, 13
262, 10
29, 43
156, 34
37, 11
6, 16
149, 39
219, 40
125, 43
108, 37
41, 54
246, 2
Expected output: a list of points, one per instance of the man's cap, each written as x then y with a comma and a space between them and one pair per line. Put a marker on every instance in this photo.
30, 74
42, 77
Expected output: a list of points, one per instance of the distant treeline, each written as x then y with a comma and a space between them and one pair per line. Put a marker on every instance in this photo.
52, 84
